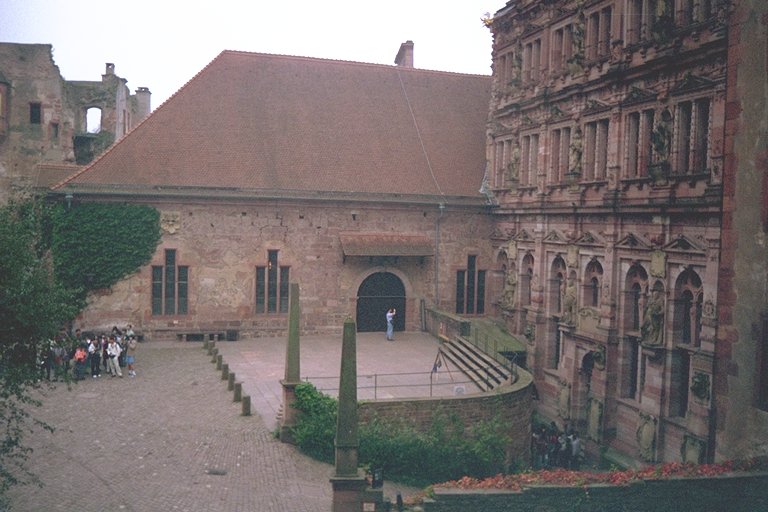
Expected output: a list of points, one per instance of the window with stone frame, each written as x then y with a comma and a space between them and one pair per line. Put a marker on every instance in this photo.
679, 382
532, 61
557, 283
470, 288
642, 19
595, 157
505, 63
598, 36
526, 280
529, 160
691, 136
635, 283
562, 47
560, 142
639, 147
272, 285
504, 154
170, 286
694, 11
631, 358
35, 113
686, 324
593, 278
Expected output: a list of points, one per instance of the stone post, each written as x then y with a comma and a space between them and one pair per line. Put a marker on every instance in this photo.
231, 381
349, 485
224, 371
219, 360
238, 392
246, 405
292, 366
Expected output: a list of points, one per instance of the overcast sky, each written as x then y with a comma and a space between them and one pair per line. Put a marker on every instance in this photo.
161, 44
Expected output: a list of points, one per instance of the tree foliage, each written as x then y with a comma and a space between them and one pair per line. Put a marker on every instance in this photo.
33, 307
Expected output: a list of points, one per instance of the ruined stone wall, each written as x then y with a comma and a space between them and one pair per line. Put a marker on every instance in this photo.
38, 152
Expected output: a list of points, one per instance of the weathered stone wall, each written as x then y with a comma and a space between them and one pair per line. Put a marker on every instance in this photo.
39, 154
742, 341
748, 492
222, 245
512, 404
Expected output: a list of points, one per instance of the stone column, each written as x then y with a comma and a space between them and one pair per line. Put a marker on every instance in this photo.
292, 367
347, 482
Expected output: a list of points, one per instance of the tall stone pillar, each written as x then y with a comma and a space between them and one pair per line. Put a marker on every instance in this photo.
292, 367
349, 486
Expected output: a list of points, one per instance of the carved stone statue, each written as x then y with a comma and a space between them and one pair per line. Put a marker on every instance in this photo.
653, 320
569, 303
661, 137
575, 151
514, 163
508, 295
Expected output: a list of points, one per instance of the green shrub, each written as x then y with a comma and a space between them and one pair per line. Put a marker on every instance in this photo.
447, 451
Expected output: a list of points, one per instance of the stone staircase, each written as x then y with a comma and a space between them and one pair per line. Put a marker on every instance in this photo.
484, 371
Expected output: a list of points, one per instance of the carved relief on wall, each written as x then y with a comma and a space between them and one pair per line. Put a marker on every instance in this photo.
170, 222
507, 300
658, 264
594, 419
646, 437
693, 449
564, 400
652, 327
569, 303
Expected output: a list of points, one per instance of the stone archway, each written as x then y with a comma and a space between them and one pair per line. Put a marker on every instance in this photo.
376, 294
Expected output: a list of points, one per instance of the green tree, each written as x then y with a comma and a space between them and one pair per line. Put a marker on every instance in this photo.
33, 308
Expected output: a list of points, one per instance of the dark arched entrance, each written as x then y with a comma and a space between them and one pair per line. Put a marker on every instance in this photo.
378, 293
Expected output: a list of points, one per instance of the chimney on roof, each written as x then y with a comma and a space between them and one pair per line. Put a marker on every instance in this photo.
404, 56
110, 69
143, 99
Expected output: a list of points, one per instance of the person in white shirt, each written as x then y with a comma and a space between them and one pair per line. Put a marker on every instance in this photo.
113, 354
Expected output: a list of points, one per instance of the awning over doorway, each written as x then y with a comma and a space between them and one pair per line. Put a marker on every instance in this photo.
386, 244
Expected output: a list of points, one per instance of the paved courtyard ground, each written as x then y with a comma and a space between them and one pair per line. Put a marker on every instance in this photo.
172, 439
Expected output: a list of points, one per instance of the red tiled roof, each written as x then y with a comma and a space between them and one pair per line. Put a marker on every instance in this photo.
262, 122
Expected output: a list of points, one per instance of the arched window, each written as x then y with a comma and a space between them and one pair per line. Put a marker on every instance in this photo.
526, 280
557, 275
593, 277
635, 283
93, 120
687, 312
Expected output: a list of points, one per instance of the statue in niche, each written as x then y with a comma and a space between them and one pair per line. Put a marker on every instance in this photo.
575, 151
514, 163
508, 295
653, 320
569, 303
661, 137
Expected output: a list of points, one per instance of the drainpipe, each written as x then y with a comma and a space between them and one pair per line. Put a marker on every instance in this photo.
441, 206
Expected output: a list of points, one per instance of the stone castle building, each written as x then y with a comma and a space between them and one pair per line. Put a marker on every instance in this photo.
602, 195
44, 132
610, 156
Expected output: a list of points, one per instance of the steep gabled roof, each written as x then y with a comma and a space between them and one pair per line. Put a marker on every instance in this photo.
275, 123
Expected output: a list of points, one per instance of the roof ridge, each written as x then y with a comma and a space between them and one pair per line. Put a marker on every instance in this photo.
355, 62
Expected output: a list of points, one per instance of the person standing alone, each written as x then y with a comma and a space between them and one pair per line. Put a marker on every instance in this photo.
390, 324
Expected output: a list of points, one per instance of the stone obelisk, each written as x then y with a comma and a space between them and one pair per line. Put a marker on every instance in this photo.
348, 483
292, 367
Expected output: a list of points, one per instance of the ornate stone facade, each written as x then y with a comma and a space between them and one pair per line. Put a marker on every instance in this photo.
612, 114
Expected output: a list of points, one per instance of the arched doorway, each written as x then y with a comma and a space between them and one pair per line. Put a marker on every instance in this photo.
377, 293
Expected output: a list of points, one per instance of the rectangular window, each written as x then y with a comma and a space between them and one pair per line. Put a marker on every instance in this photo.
157, 290
632, 367
461, 279
533, 166
679, 384
684, 116
595, 162
700, 135
170, 287
272, 286
554, 167
639, 130
54, 134
470, 288
35, 113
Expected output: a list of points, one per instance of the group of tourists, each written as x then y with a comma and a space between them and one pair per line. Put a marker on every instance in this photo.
84, 354
554, 448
